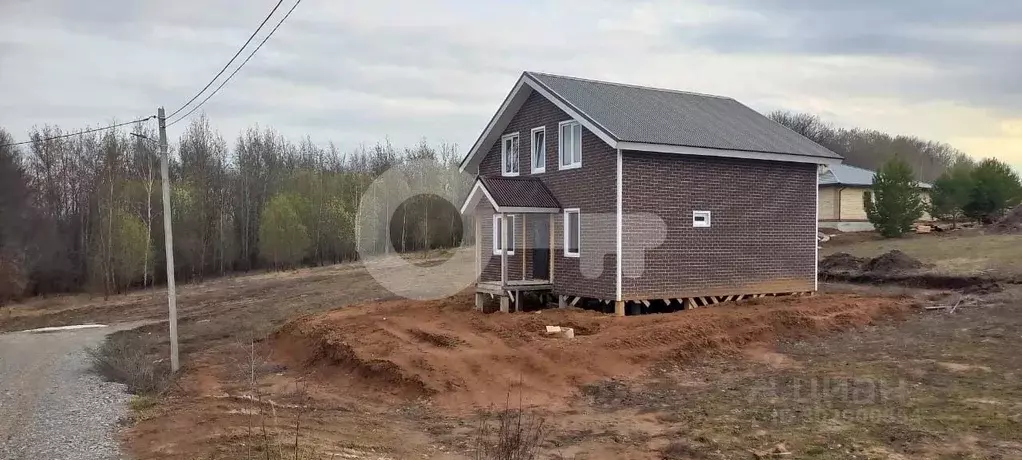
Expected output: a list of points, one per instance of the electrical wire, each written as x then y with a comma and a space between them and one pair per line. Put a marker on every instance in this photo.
221, 72
87, 131
239, 67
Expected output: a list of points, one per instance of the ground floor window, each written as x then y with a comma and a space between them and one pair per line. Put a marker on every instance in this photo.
498, 240
572, 232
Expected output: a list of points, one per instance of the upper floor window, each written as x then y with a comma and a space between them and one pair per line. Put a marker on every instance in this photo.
509, 154
538, 150
570, 149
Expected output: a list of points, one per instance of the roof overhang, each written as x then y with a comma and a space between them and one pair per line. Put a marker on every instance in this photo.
702, 151
527, 84
479, 193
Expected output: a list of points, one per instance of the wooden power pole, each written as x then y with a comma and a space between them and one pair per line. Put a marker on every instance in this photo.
168, 240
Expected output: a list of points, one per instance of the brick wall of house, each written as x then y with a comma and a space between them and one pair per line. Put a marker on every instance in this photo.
762, 233
591, 188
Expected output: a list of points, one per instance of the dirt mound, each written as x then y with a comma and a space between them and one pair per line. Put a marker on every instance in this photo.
892, 262
842, 261
456, 357
1010, 223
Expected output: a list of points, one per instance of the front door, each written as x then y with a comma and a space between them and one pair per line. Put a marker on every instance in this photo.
540, 246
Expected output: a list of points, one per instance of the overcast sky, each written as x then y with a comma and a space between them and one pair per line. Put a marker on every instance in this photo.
360, 71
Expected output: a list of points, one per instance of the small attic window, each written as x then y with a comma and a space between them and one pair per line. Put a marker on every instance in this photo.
700, 218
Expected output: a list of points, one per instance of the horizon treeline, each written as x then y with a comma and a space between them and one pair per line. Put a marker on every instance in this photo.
85, 212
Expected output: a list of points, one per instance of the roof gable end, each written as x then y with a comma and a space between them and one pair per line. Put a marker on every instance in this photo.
630, 117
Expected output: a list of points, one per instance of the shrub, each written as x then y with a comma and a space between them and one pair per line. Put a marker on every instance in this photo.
12, 280
123, 358
510, 434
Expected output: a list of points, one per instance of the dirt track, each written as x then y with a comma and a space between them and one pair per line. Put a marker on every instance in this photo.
50, 405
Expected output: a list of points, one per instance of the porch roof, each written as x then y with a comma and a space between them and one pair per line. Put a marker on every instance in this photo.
512, 194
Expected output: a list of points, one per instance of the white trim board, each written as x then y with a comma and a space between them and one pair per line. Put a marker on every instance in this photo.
816, 241
471, 200
620, 167
507, 110
479, 191
702, 151
511, 104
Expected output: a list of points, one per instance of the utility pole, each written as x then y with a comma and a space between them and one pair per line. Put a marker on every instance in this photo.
168, 240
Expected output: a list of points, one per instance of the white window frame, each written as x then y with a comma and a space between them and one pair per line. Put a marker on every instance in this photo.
517, 142
560, 146
564, 224
533, 147
511, 228
704, 223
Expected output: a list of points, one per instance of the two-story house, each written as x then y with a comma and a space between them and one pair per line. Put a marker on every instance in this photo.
631, 195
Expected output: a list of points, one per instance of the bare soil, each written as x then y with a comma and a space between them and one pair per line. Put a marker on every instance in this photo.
854, 372
463, 360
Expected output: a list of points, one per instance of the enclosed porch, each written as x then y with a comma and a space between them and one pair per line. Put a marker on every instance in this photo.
514, 239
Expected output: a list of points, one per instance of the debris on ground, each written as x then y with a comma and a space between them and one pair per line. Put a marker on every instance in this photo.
924, 228
448, 352
892, 261
565, 332
1010, 223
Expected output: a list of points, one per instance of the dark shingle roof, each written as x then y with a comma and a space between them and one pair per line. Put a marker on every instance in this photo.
519, 192
659, 116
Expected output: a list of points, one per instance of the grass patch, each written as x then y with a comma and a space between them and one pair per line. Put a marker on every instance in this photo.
141, 403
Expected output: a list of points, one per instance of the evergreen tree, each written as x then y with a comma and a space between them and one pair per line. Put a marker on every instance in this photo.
995, 188
951, 193
894, 204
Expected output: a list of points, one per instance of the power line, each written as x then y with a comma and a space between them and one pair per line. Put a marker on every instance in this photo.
221, 72
87, 131
239, 67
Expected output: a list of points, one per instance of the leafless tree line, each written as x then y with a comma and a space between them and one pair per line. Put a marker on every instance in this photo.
869, 149
85, 212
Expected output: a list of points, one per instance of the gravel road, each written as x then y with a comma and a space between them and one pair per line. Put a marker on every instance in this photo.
51, 406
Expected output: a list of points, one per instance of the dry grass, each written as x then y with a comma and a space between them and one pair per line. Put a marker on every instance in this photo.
937, 386
123, 357
511, 434
965, 255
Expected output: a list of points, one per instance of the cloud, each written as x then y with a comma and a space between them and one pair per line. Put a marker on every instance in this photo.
359, 72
